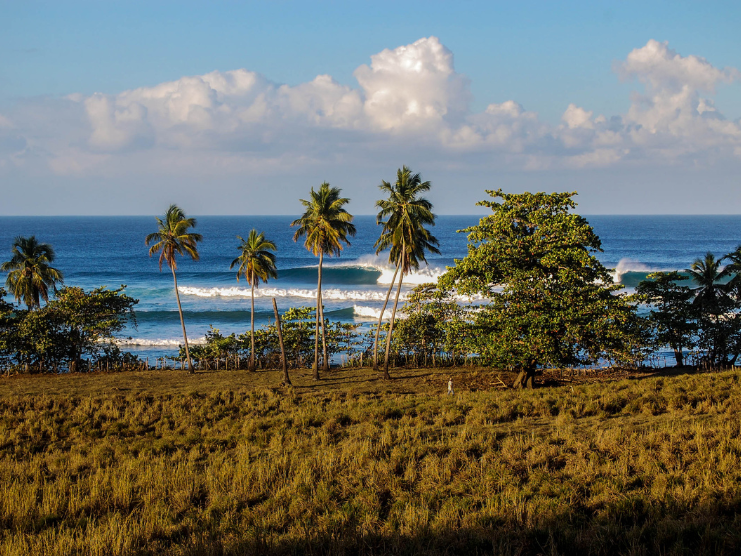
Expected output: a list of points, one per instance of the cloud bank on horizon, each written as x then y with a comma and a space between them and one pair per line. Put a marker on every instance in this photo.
410, 101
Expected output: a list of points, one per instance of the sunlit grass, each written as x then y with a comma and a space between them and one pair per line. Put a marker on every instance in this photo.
170, 464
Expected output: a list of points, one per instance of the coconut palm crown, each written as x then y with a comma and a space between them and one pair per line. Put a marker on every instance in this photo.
325, 225
30, 274
708, 274
173, 238
255, 262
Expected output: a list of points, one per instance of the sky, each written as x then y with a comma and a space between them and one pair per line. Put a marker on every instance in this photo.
240, 108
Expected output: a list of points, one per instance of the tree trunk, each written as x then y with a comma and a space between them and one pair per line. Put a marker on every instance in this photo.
679, 356
182, 322
252, 326
325, 359
391, 329
286, 378
526, 379
316, 334
380, 317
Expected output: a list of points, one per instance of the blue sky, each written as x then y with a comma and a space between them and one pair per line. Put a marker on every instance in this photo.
651, 152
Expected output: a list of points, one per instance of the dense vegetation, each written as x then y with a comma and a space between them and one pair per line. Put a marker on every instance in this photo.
168, 465
73, 331
538, 297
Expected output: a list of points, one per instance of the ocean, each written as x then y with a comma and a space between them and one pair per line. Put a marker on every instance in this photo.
110, 251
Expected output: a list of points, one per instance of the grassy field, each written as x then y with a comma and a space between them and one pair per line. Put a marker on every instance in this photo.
229, 463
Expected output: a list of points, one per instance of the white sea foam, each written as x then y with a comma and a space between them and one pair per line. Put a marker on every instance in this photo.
626, 265
329, 294
371, 312
376, 262
169, 342
416, 277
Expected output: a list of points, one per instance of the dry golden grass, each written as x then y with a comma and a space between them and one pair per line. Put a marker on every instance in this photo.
229, 463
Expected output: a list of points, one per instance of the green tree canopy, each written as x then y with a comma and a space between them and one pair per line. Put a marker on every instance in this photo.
75, 325
549, 299
672, 316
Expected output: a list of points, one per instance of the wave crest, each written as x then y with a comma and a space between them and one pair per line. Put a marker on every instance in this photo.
370, 312
330, 294
169, 342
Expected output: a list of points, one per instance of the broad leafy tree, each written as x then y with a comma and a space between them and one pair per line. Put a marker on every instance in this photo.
172, 238
325, 227
30, 274
403, 215
73, 326
672, 317
549, 300
256, 262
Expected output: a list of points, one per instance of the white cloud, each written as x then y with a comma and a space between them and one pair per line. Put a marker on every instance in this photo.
576, 117
662, 68
409, 103
413, 86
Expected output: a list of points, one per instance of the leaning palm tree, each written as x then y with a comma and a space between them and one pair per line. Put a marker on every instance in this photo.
404, 215
256, 262
175, 238
326, 225
30, 274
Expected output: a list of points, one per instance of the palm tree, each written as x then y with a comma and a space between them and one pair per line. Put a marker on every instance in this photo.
174, 238
404, 216
257, 262
708, 274
326, 225
30, 274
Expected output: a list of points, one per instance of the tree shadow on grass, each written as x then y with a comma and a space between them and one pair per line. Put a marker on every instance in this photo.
630, 531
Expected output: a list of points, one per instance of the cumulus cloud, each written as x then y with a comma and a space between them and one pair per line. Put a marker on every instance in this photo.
413, 86
408, 100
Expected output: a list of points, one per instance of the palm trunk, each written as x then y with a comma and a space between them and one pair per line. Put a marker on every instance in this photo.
391, 329
286, 378
325, 359
380, 318
318, 304
182, 322
252, 327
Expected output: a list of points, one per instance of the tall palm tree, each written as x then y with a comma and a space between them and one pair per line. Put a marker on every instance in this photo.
404, 215
326, 225
175, 238
708, 274
30, 274
256, 262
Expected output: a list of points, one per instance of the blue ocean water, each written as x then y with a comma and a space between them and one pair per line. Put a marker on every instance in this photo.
110, 251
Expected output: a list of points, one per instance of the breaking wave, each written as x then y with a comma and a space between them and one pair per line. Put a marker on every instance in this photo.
160, 342
371, 312
328, 294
